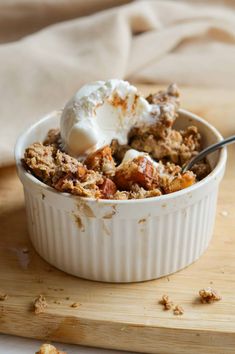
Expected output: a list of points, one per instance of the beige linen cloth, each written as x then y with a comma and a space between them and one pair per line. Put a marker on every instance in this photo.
50, 48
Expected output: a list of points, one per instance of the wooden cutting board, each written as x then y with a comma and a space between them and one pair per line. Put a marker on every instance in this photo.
125, 316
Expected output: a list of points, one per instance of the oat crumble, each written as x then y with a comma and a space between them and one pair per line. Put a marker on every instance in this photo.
40, 304
49, 349
208, 295
103, 175
165, 301
178, 310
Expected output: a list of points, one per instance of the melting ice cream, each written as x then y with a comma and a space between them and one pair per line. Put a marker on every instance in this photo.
102, 111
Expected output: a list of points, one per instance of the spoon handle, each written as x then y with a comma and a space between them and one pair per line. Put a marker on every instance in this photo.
207, 151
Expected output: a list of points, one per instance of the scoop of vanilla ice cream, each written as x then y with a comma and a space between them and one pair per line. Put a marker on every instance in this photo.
100, 112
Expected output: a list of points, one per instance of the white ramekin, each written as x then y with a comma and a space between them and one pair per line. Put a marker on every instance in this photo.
121, 241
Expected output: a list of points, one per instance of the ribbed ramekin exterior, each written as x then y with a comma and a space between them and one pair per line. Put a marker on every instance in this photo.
121, 241
119, 249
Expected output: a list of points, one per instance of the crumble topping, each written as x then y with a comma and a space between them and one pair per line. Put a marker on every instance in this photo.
101, 161
103, 174
208, 295
49, 349
40, 304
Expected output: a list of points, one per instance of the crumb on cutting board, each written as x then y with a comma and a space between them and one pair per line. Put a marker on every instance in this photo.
75, 305
208, 295
40, 304
49, 349
224, 213
178, 310
165, 301
3, 296
58, 302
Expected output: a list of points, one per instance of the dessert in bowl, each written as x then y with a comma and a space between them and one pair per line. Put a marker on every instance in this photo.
105, 196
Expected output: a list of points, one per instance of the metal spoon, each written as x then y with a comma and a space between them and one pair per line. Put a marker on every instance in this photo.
207, 151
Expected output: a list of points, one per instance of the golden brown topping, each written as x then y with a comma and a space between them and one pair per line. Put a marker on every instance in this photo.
208, 295
137, 171
53, 137
97, 176
181, 181
40, 304
102, 161
40, 160
88, 187
168, 103
49, 349
69, 164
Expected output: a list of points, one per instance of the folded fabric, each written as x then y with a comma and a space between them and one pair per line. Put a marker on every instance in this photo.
143, 41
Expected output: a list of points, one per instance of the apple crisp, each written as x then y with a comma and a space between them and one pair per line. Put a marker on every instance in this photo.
160, 152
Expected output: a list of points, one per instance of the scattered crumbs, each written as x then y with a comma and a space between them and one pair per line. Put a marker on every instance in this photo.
224, 213
178, 310
58, 302
67, 298
3, 296
49, 349
211, 282
25, 250
75, 305
40, 304
165, 301
141, 221
168, 279
55, 289
209, 295
43, 196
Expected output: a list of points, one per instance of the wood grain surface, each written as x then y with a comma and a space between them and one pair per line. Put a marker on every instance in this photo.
125, 316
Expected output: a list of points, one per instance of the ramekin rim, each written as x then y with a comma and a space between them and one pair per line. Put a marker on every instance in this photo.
221, 162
